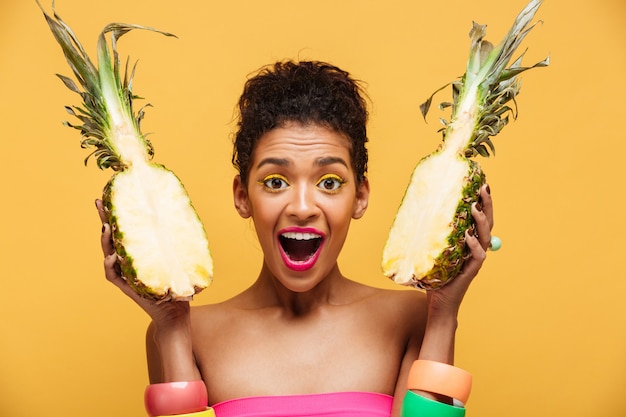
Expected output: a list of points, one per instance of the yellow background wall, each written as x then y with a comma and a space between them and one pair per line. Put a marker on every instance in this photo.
544, 328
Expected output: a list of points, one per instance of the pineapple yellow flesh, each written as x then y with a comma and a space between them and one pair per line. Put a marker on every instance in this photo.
160, 241
163, 244
426, 244
438, 181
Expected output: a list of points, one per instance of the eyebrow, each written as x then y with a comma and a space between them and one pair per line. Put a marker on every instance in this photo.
330, 160
283, 162
273, 161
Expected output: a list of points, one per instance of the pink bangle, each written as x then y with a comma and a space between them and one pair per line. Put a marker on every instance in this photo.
172, 398
440, 378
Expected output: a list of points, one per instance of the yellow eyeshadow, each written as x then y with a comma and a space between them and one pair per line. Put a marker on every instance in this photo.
271, 177
332, 177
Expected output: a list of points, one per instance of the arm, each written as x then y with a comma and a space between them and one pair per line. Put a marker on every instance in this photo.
170, 355
444, 303
169, 349
436, 341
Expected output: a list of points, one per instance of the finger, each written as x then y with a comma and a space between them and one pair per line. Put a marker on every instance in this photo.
487, 203
111, 271
105, 240
101, 213
483, 228
112, 274
478, 255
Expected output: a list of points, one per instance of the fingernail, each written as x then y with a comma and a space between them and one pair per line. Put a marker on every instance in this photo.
470, 232
103, 228
488, 189
479, 207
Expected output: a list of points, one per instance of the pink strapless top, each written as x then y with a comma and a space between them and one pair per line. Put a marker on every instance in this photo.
335, 404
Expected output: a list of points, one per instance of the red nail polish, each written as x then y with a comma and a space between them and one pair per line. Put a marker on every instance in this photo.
488, 189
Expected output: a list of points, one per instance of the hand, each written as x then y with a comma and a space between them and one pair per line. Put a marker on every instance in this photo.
449, 297
166, 314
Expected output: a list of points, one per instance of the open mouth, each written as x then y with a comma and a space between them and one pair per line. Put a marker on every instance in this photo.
300, 246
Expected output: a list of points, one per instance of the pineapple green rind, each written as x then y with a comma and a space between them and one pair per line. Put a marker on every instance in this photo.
422, 250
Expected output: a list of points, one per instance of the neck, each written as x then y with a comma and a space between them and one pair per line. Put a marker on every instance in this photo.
272, 293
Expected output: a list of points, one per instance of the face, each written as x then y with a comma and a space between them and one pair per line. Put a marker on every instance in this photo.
302, 195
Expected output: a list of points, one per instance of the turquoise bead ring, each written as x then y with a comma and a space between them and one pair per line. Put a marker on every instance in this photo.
495, 243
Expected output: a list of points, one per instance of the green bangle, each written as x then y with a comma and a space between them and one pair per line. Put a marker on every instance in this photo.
415, 405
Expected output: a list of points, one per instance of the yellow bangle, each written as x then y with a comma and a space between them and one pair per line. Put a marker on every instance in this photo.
206, 413
440, 378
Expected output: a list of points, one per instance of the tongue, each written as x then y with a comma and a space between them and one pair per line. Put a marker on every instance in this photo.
299, 250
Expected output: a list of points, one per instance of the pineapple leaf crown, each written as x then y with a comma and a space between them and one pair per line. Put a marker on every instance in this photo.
97, 85
489, 82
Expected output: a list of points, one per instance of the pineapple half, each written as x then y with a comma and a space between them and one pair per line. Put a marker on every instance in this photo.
426, 244
159, 239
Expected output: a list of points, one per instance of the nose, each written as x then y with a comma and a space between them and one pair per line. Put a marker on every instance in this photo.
303, 204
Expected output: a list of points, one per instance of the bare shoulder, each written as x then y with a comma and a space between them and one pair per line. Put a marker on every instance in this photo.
404, 309
402, 300
209, 317
408, 303
221, 319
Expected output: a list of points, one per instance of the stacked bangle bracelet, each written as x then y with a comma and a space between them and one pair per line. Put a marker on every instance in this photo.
176, 398
415, 405
440, 378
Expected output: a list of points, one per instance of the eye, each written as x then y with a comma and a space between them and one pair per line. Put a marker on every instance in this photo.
274, 182
331, 182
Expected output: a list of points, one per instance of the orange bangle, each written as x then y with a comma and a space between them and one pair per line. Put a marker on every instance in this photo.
440, 378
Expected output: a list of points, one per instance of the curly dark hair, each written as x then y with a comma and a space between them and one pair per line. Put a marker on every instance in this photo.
308, 92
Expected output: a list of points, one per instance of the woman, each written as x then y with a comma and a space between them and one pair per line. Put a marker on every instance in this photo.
303, 335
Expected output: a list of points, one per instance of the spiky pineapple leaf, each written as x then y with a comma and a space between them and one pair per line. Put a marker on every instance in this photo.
104, 92
495, 84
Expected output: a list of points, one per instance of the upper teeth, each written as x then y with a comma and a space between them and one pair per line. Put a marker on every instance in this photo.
300, 236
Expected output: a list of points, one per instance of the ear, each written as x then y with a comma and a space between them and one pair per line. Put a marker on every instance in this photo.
240, 197
362, 199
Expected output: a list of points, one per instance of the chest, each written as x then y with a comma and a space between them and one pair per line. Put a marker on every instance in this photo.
266, 355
